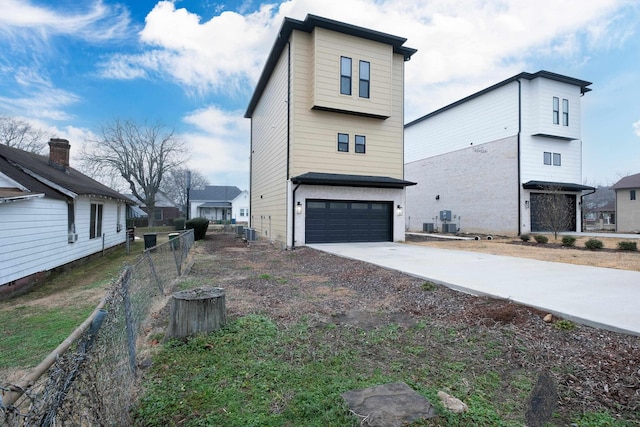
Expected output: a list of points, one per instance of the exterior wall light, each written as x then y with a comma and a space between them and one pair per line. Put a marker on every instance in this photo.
399, 210
299, 208
526, 204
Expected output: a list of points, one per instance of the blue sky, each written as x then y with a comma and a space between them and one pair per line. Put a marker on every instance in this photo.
71, 65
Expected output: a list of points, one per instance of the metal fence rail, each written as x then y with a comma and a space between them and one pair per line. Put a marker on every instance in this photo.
90, 379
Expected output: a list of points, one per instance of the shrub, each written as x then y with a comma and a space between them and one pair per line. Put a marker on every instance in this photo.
178, 223
565, 325
541, 239
199, 226
568, 241
628, 246
525, 237
593, 244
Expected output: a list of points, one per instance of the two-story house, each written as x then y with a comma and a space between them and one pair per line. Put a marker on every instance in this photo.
628, 204
327, 135
484, 163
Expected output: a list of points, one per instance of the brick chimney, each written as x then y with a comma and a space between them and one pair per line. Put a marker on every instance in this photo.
59, 153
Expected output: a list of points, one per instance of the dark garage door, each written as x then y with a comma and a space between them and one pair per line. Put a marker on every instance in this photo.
341, 221
562, 213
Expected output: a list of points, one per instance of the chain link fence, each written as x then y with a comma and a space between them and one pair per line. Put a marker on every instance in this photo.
90, 379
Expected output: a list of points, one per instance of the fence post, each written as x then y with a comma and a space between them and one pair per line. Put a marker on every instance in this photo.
129, 321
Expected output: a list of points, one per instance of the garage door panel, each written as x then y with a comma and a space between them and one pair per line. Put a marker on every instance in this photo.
335, 221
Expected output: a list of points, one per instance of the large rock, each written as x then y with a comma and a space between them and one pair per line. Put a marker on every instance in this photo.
388, 405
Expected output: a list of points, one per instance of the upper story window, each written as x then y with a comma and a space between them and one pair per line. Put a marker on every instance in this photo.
552, 159
95, 221
556, 110
345, 75
343, 142
361, 144
565, 112
632, 194
365, 79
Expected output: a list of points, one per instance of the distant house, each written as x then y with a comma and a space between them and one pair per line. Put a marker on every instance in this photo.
51, 214
485, 163
628, 204
164, 213
326, 135
219, 203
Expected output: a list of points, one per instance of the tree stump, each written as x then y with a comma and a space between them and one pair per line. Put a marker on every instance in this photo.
199, 310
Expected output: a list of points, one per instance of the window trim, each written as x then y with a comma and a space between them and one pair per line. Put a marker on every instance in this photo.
346, 75
556, 110
363, 144
364, 81
565, 112
96, 216
557, 159
547, 158
344, 144
632, 194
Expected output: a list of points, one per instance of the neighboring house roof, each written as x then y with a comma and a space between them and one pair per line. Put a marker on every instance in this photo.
311, 22
525, 76
215, 193
317, 178
162, 200
215, 205
631, 181
38, 175
560, 186
608, 207
136, 212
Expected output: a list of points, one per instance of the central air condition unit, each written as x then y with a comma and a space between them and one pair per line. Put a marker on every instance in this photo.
250, 234
428, 227
449, 228
73, 237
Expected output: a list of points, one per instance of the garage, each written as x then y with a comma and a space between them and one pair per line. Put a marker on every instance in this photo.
342, 221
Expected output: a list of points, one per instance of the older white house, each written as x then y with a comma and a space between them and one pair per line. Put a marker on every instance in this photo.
326, 135
51, 214
483, 163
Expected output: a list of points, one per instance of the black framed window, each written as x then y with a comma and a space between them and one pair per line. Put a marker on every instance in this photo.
565, 112
547, 158
556, 159
365, 79
361, 144
556, 110
345, 75
343, 142
632, 194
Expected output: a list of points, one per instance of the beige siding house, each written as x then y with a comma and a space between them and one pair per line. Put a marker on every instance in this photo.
327, 135
628, 204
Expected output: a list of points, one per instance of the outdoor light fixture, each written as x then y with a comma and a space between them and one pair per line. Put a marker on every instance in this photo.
399, 210
526, 204
437, 197
299, 208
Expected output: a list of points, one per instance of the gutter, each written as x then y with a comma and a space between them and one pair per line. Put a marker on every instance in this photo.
519, 158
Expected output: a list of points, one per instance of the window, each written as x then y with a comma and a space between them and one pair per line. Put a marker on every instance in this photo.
632, 194
361, 142
556, 111
95, 221
71, 217
345, 75
552, 159
244, 212
365, 73
565, 112
157, 214
343, 142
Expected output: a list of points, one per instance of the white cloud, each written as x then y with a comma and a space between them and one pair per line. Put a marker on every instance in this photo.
219, 147
636, 128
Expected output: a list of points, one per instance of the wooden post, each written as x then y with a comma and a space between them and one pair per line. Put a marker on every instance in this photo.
198, 310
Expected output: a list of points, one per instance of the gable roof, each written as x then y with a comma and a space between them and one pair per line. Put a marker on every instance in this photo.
311, 22
215, 193
631, 181
522, 76
162, 200
37, 175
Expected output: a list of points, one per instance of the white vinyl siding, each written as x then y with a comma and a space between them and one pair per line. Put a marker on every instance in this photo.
540, 98
35, 235
269, 155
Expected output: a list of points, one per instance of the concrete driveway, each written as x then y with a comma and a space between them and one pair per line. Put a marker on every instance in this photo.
600, 297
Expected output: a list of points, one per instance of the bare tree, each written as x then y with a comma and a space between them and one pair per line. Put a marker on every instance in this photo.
20, 134
555, 210
174, 185
142, 155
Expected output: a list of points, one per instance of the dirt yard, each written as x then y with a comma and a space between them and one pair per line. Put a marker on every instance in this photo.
595, 370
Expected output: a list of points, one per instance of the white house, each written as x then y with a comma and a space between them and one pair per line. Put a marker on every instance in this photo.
51, 214
483, 163
326, 135
219, 203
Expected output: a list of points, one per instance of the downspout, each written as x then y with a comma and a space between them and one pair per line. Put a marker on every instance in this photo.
293, 193
519, 160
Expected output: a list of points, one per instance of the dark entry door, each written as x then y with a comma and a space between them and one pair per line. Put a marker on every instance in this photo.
341, 221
